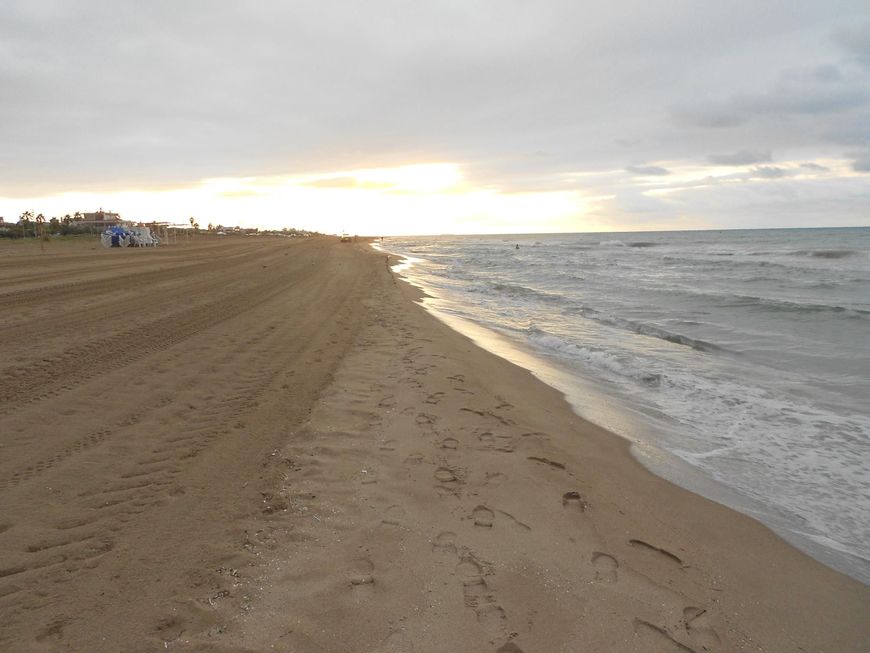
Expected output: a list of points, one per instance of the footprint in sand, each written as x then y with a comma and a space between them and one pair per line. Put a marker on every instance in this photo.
605, 567
645, 546
449, 443
468, 570
187, 617
445, 475
449, 491
367, 476
445, 542
494, 479
491, 441
493, 619
510, 647
387, 402
360, 572
396, 642
394, 516
483, 516
414, 458
387, 445
423, 419
53, 632
656, 638
477, 596
546, 461
573, 501
700, 628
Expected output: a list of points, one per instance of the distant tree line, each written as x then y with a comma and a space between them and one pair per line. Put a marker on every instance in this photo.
36, 226
32, 225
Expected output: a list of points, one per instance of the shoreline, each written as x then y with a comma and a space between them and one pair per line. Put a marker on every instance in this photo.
638, 431
313, 462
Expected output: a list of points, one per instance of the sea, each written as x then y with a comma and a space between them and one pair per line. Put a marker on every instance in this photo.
736, 362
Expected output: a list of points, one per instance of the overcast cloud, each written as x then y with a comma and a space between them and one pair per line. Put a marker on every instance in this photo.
525, 96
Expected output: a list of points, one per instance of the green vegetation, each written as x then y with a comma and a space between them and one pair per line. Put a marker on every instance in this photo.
36, 226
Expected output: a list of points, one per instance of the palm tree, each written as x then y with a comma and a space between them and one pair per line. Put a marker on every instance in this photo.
24, 222
39, 231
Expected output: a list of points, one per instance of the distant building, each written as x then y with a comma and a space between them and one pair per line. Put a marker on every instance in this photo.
101, 219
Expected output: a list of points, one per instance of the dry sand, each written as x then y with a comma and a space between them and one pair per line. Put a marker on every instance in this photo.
251, 444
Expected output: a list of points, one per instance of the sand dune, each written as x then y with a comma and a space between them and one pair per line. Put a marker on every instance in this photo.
266, 445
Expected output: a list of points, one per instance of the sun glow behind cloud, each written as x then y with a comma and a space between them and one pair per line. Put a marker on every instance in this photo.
435, 198
426, 198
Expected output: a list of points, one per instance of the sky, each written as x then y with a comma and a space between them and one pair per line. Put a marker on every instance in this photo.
409, 117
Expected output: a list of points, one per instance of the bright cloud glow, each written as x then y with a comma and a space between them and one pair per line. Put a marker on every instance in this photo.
424, 178
414, 199
435, 198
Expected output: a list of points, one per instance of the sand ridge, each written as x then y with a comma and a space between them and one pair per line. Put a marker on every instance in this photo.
296, 457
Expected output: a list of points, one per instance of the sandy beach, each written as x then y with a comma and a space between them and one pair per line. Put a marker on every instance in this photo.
266, 444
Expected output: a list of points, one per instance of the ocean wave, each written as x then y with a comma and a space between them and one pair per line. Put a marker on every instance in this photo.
653, 331
825, 285
515, 290
561, 347
784, 305
762, 279
814, 253
825, 253
731, 300
723, 263
645, 329
621, 243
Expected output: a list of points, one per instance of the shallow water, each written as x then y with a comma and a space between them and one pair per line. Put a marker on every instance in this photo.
737, 361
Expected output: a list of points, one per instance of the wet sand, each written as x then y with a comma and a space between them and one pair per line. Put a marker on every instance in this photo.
253, 444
